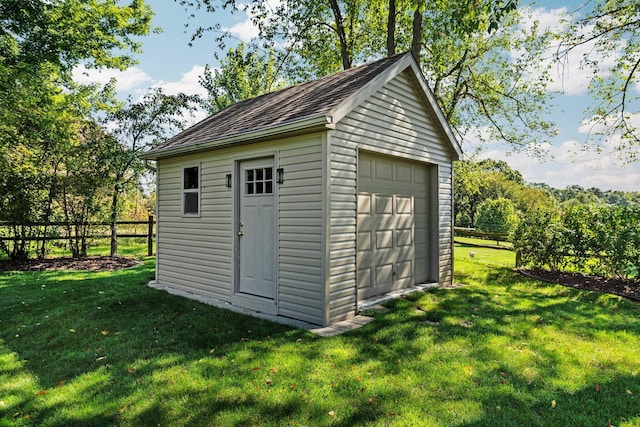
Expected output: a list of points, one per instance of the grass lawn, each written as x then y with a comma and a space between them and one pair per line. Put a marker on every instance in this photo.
102, 348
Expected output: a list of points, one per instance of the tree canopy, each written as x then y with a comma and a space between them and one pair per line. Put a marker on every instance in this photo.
483, 66
48, 137
608, 38
244, 73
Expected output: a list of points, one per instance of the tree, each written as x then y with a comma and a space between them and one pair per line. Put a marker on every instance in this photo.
65, 32
139, 126
243, 74
497, 216
467, 192
40, 106
483, 66
477, 181
83, 184
610, 32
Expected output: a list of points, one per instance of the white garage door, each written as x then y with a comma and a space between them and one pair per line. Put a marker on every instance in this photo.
392, 224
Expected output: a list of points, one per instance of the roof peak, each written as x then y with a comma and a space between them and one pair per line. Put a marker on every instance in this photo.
316, 103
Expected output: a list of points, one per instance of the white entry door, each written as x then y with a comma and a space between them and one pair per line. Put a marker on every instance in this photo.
256, 228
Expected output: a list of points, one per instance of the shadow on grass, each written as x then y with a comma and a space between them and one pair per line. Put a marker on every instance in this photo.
521, 345
103, 349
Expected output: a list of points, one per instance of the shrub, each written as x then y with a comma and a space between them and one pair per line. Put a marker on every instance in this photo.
603, 240
538, 239
496, 216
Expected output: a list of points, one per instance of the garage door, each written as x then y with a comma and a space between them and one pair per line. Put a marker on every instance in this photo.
392, 224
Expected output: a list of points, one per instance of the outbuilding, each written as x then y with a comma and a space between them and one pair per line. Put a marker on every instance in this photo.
307, 202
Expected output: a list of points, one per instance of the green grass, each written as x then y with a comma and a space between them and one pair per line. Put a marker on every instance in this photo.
102, 349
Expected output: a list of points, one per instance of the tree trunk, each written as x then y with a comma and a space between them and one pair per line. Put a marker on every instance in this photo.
112, 222
342, 36
391, 29
416, 39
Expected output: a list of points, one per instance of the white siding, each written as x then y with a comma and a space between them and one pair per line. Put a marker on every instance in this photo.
193, 253
196, 254
393, 121
301, 280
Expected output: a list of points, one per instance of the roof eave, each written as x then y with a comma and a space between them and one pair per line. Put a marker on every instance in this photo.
303, 125
443, 123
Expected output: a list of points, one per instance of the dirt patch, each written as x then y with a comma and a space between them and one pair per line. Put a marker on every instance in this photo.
624, 288
93, 263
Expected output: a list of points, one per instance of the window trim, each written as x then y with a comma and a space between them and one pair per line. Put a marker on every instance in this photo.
184, 191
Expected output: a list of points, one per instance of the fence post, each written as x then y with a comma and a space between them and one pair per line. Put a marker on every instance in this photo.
150, 236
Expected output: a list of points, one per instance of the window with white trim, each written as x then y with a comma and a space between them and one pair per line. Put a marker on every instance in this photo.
191, 191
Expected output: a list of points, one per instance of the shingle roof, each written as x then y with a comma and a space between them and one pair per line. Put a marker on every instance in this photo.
311, 99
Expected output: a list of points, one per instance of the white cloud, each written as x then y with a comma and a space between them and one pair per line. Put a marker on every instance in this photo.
569, 163
127, 80
189, 83
552, 19
592, 125
245, 30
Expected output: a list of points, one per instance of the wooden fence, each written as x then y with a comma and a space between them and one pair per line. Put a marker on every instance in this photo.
469, 232
149, 234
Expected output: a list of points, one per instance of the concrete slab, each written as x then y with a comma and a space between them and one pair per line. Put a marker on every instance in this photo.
342, 327
327, 331
371, 302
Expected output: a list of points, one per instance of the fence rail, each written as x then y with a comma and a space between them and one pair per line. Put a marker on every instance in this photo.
149, 234
467, 232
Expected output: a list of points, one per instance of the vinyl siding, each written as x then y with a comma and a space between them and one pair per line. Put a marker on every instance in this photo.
193, 253
196, 254
393, 121
301, 243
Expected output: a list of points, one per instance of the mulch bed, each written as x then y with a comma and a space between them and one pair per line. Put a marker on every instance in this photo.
624, 288
93, 263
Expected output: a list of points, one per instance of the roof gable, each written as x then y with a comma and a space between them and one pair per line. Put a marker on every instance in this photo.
317, 103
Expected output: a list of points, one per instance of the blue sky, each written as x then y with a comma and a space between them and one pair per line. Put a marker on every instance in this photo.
169, 62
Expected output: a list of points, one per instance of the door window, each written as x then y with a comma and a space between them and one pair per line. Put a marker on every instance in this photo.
259, 181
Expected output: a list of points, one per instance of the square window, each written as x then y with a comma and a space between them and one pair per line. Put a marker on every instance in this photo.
250, 175
268, 173
191, 203
250, 188
259, 174
268, 187
190, 178
259, 188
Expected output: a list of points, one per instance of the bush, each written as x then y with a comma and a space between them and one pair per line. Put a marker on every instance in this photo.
602, 240
538, 239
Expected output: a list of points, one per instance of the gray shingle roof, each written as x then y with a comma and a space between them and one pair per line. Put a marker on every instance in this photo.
311, 99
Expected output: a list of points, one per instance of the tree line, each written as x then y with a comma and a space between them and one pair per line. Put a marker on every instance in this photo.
585, 229
493, 197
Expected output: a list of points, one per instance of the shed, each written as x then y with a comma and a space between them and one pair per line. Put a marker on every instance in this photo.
306, 202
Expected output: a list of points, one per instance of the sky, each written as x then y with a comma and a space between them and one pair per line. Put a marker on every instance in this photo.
169, 62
